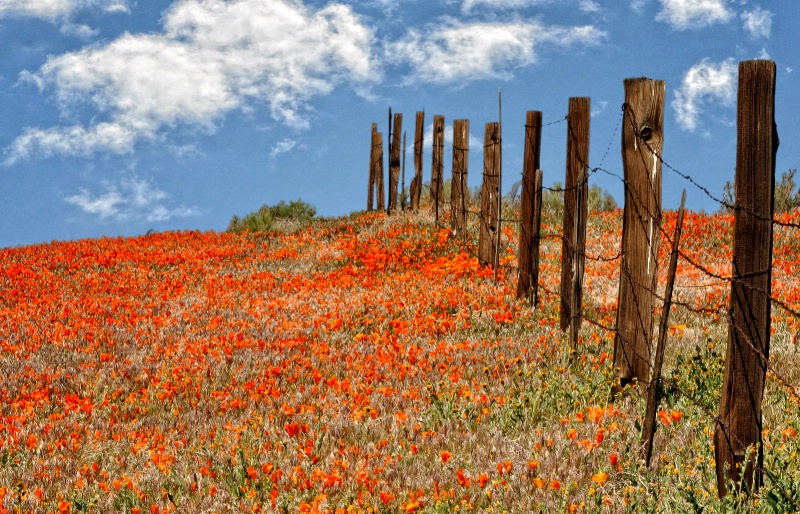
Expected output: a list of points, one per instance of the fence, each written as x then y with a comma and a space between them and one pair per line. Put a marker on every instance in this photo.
738, 420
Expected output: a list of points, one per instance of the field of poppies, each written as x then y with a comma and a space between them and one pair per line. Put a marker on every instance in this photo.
362, 364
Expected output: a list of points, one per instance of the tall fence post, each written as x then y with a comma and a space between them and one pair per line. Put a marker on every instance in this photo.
489, 235
458, 188
394, 161
437, 169
642, 143
528, 258
403, 176
576, 193
416, 182
372, 156
379, 170
738, 450
649, 426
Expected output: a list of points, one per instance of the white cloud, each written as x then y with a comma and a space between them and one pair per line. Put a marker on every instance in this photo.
57, 9
704, 82
757, 23
692, 14
468, 5
282, 146
461, 52
638, 5
475, 143
212, 57
132, 198
79, 30
589, 6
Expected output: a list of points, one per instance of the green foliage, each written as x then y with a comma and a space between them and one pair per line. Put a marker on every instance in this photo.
268, 218
786, 196
599, 199
698, 376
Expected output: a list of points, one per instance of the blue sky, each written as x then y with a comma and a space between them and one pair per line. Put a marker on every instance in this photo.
122, 116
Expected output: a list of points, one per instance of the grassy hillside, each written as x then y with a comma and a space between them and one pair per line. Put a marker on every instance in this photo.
365, 364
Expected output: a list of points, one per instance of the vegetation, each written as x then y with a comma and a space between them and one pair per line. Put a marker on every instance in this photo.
787, 198
283, 217
368, 365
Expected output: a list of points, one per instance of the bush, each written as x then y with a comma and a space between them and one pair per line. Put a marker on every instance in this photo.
786, 198
281, 216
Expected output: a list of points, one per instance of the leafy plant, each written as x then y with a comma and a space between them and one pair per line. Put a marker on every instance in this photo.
268, 218
785, 195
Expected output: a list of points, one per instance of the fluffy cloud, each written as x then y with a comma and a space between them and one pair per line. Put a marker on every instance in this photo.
133, 198
757, 23
690, 14
705, 81
460, 52
56, 9
213, 56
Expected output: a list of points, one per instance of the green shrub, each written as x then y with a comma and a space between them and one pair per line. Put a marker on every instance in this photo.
282, 216
786, 198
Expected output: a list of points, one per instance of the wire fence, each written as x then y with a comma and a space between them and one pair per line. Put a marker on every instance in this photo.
719, 312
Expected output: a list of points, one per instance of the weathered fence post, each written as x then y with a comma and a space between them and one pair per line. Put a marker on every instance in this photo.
403, 175
642, 143
489, 235
372, 154
379, 170
416, 182
394, 161
531, 206
576, 193
437, 170
458, 188
738, 450
649, 426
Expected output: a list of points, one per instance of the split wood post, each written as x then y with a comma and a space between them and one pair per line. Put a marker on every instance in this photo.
394, 161
489, 236
531, 205
642, 143
576, 192
458, 187
403, 175
416, 182
437, 170
372, 156
649, 427
379, 170
738, 447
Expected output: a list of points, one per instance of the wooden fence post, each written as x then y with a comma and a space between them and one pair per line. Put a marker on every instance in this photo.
403, 175
576, 193
489, 235
379, 170
437, 171
642, 143
394, 161
738, 450
458, 188
649, 426
372, 156
528, 258
416, 182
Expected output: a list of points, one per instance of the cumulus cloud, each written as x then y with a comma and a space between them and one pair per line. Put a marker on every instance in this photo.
704, 82
693, 14
213, 56
757, 23
132, 198
460, 52
56, 9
